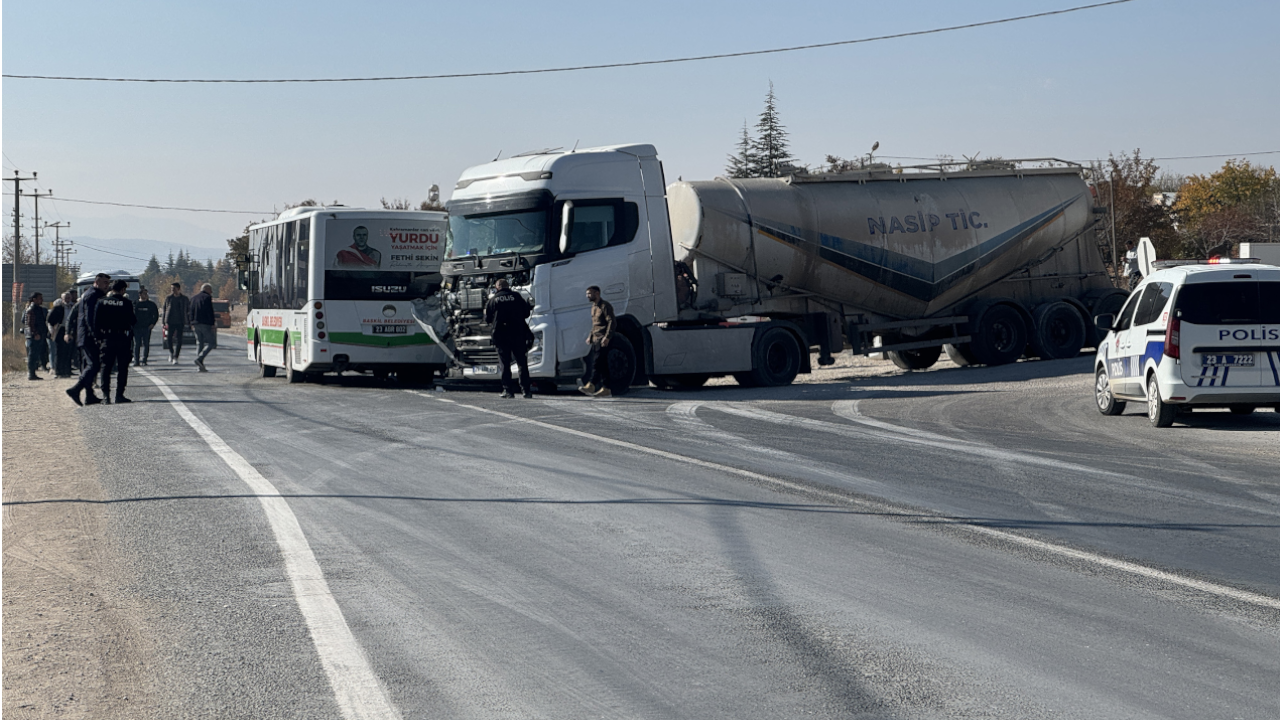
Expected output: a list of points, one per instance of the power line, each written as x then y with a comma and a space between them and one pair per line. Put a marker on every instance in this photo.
81, 243
638, 63
1228, 155
163, 207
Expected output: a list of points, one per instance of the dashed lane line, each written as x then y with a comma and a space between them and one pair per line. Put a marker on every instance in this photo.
886, 508
359, 693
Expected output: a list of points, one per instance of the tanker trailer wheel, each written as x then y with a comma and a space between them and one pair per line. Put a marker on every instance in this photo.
1109, 303
961, 354
776, 360
621, 359
920, 359
1059, 331
1001, 336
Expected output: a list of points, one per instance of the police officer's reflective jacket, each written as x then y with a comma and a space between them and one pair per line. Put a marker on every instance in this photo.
114, 317
507, 312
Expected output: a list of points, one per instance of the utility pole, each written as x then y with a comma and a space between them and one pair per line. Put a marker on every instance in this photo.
36, 222
58, 247
17, 238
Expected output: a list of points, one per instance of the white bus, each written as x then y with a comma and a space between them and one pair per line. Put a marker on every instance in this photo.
330, 288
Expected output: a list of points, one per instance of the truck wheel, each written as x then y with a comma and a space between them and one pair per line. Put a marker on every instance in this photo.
1110, 303
961, 354
921, 359
264, 370
1059, 331
1159, 412
776, 360
621, 357
1001, 336
1107, 403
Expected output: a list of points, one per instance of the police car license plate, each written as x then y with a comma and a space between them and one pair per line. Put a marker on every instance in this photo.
1237, 359
390, 329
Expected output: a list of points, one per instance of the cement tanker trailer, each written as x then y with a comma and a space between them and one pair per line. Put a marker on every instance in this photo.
991, 260
744, 277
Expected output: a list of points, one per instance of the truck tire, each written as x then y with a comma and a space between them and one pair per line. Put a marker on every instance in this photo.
621, 358
1000, 336
1058, 332
776, 359
1110, 302
921, 359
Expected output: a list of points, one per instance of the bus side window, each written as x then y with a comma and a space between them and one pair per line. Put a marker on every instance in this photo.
304, 247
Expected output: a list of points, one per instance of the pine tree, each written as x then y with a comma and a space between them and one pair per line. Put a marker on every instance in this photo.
772, 158
740, 163
170, 265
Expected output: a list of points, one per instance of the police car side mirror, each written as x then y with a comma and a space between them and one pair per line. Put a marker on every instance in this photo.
1106, 321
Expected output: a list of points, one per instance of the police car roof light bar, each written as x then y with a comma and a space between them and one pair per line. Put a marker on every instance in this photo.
1210, 261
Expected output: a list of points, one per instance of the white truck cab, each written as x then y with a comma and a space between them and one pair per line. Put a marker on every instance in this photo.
1193, 334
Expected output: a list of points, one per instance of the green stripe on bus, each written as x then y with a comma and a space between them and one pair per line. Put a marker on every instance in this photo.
271, 337
355, 338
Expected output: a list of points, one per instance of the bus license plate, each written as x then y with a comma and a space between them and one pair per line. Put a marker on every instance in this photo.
1238, 359
390, 329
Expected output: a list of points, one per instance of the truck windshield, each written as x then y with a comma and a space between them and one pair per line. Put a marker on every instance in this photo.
496, 233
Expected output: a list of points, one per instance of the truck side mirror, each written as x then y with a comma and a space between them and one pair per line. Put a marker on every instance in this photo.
242, 279
566, 223
1106, 321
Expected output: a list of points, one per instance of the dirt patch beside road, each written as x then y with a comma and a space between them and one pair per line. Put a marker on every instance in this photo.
74, 646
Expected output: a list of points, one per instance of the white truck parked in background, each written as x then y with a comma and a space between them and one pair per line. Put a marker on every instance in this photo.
743, 277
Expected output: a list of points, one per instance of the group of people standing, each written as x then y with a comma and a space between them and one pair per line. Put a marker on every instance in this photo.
507, 313
98, 334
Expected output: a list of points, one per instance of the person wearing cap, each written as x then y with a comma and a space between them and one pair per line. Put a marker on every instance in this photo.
35, 323
148, 315
87, 341
174, 318
113, 325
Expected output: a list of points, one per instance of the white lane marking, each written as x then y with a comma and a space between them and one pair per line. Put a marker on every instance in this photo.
885, 508
359, 693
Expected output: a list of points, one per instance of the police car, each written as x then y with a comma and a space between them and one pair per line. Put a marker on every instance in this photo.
1194, 334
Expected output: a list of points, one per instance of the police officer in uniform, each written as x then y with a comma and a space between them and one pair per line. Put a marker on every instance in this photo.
87, 341
113, 325
507, 312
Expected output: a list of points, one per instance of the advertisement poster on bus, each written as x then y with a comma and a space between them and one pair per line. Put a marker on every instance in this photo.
400, 245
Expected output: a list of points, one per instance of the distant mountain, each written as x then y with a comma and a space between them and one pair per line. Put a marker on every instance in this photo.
133, 254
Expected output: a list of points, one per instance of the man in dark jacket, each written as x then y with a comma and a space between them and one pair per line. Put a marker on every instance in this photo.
35, 323
69, 330
113, 326
148, 315
202, 321
90, 358
507, 312
174, 319
595, 377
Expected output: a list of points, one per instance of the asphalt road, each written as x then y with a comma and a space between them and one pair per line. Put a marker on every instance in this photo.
955, 544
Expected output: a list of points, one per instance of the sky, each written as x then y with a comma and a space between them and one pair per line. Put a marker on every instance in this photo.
1170, 77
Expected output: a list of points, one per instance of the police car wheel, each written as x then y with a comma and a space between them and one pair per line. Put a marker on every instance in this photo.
1159, 412
1107, 403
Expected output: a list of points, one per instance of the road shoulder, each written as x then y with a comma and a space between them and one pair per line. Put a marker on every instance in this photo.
75, 645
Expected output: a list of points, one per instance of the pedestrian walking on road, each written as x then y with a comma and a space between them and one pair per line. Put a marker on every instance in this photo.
177, 307
87, 341
69, 330
202, 321
113, 325
595, 375
35, 325
507, 312
148, 315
